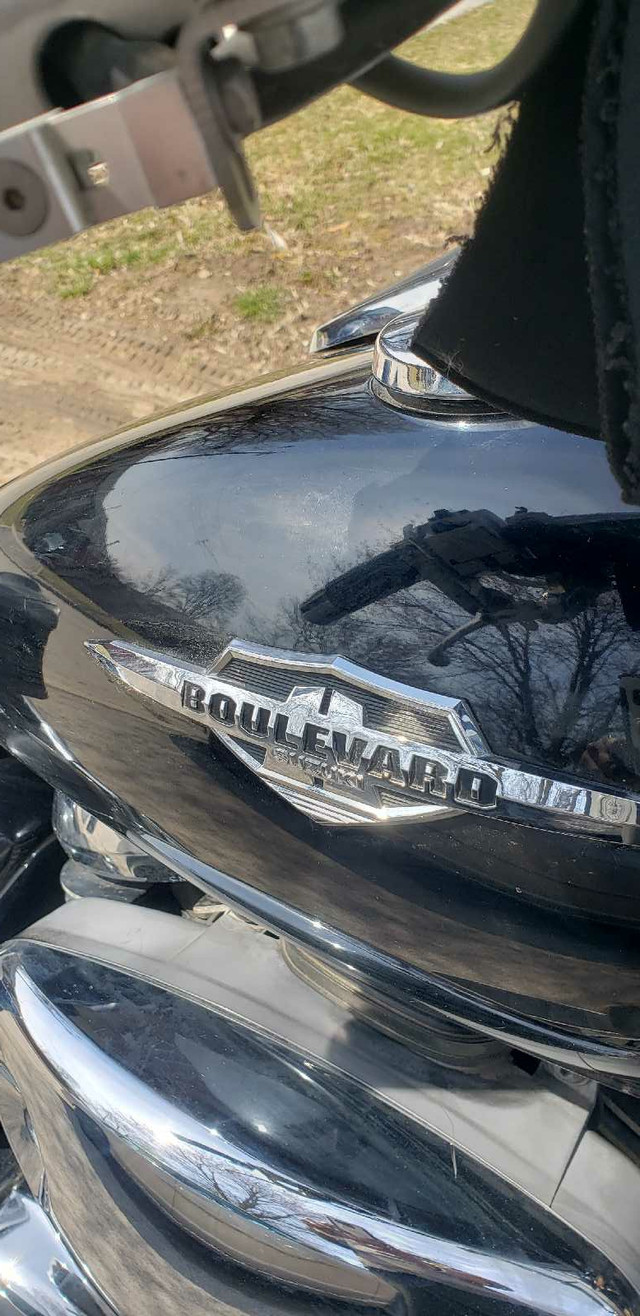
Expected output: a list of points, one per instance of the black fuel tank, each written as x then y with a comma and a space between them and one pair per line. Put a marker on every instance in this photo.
486, 561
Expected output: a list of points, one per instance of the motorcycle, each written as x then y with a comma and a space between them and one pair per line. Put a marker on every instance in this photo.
320, 715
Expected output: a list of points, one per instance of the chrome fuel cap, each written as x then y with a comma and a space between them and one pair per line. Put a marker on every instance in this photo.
405, 380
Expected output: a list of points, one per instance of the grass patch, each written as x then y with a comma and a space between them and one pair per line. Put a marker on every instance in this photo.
343, 171
76, 285
262, 303
142, 240
71, 271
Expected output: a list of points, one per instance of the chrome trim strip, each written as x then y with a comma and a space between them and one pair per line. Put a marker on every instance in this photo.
591, 1055
516, 788
171, 674
364, 321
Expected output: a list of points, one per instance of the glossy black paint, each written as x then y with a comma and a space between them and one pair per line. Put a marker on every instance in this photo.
225, 521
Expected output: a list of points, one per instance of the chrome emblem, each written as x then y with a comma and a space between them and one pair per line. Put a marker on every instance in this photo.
343, 745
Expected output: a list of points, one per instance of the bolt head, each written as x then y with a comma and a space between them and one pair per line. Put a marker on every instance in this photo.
98, 173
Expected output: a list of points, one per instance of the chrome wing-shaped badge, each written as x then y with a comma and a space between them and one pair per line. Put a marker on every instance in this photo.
345, 746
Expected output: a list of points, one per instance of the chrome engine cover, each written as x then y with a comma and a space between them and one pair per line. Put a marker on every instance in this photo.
209, 1133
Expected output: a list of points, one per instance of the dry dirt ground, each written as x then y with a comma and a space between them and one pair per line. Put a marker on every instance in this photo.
70, 371
134, 317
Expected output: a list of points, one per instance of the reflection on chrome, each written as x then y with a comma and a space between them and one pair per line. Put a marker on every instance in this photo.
188, 1087
361, 323
96, 846
38, 1276
409, 377
603, 1055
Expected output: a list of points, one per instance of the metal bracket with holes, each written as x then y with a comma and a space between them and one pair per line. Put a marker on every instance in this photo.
64, 171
